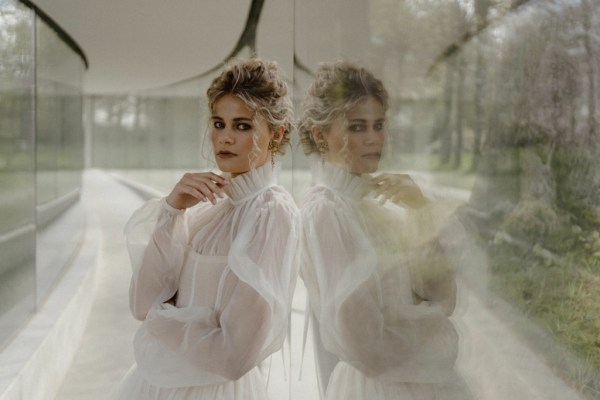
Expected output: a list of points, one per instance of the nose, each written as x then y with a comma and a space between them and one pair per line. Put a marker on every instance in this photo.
373, 136
225, 136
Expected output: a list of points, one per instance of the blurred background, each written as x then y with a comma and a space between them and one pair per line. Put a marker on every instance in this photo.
493, 105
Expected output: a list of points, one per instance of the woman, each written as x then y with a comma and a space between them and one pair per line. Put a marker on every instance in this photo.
212, 262
378, 277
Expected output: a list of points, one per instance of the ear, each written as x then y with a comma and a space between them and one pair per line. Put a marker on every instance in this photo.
317, 134
278, 133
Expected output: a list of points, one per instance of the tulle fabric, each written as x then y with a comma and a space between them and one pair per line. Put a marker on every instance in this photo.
229, 269
381, 286
250, 388
351, 384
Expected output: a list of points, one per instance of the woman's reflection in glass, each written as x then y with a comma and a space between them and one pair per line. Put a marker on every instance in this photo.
380, 284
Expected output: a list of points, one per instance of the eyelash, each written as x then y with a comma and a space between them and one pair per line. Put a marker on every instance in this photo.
356, 128
242, 126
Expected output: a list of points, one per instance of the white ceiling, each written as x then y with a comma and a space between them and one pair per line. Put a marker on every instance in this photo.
139, 44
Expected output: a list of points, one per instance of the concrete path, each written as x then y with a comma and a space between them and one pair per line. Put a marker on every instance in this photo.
105, 353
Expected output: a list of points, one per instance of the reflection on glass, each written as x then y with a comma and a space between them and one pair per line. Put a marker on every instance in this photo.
537, 189
41, 158
17, 161
151, 137
379, 277
59, 156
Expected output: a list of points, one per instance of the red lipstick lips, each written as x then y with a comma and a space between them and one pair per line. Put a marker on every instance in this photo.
225, 154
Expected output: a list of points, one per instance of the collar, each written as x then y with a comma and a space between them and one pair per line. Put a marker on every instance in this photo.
250, 184
340, 180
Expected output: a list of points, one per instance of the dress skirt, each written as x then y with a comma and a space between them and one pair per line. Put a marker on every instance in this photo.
249, 387
348, 383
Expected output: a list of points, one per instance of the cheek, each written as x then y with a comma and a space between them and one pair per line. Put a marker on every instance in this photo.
248, 141
336, 143
354, 143
262, 140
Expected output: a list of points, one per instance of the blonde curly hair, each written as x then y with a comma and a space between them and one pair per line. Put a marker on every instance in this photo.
338, 87
259, 84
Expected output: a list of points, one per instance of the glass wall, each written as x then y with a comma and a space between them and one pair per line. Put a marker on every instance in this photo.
150, 136
41, 160
154, 136
59, 155
493, 113
17, 166
493, 107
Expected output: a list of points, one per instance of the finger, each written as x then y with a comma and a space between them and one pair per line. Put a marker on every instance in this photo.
384, 187
204, 185
212, 186
380, 178
218, 179
208, 193
192, 191
205, 177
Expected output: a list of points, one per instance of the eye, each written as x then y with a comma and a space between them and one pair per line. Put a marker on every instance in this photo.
219, 124
243, 126
357, 127
379, 126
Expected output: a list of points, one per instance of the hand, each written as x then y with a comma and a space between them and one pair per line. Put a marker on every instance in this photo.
195, 187
398, 188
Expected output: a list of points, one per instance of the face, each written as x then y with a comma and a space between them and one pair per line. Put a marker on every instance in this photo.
239, 141
356, 139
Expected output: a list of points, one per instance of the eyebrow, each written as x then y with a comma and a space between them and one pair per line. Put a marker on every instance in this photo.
238, 119
364, 121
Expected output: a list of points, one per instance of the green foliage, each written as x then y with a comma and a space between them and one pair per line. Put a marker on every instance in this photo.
559, 294
533, 220
576, 170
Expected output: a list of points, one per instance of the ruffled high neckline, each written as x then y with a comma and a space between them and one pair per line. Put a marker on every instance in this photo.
340, 180
250, 184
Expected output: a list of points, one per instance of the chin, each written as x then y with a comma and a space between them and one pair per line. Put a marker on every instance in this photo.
231, 169
365, 169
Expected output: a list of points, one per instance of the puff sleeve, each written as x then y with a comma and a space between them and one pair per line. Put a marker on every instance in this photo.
200, 345
157, 237
345, 271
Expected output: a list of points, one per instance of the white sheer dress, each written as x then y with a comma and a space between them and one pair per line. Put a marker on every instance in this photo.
381, 293
231, 269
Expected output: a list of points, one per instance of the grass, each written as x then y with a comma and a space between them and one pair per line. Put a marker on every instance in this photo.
555, 284
561, 298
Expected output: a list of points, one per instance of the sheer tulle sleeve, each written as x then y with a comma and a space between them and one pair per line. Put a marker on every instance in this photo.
434, 253
200, 345
157, 238
343, 271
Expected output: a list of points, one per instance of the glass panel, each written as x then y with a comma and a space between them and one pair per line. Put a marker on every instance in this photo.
59, 156
493, 114
17, 162
155, 135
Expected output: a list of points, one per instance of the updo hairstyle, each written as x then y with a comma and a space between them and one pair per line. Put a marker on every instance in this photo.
337, 88
259, 85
